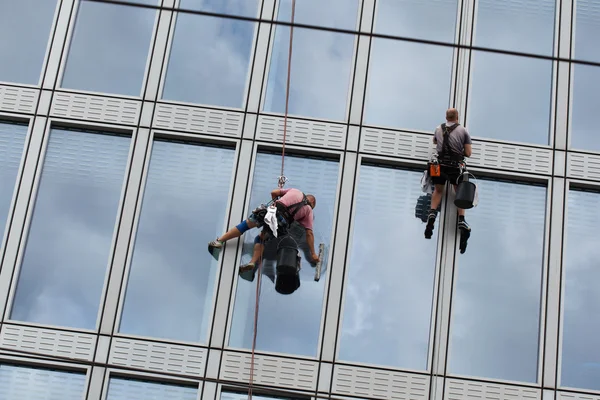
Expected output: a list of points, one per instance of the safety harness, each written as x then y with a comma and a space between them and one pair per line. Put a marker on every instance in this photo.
448, 156
288, 213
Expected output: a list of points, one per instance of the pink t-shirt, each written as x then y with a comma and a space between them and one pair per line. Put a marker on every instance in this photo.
304, 215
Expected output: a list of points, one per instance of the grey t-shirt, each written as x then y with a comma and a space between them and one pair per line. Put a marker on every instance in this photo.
457, 138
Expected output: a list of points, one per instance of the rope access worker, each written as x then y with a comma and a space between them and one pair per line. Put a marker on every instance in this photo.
453, 144
292, 205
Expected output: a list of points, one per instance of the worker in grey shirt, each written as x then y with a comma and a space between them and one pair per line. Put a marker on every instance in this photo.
453, 144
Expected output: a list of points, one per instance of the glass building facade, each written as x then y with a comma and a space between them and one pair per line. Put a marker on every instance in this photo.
170, 112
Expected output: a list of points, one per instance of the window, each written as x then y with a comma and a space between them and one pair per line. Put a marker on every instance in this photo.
496, 302
12, 140
390, 277
341, 14
245, 8
502, 24
29, 383
27, 23
586, 30
109, 48
184, 204
209, 61
287, 323
244, 396
408, 85
586, 79
521, 89
320, 73
581, 299
129, 389
585, 103
428, 20
71, 231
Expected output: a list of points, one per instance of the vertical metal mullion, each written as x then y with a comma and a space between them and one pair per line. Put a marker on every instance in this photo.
58, 47
224, 292
121, 250
339, 257
556, 220
22, 204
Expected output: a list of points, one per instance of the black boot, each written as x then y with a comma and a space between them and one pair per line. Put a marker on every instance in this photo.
465, 233
430, 224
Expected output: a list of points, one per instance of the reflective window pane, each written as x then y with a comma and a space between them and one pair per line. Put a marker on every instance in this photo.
130, 389
71, 232
428, 20
586, 30
245, 8
496, 303
503, 24
244, 396
29, 383
417, 98
390, 277
287, 323
184, 203
109, 48
28, 24
210, 60
581, 300
320, 75
520, 89
341, 14
12, 140
584, 108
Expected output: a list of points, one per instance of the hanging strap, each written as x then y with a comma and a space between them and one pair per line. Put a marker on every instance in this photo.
447, 152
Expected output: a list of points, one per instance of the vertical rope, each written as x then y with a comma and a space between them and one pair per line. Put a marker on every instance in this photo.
281, 182
258, 287
282, 178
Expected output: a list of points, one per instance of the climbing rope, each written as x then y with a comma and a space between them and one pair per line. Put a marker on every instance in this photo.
281, 180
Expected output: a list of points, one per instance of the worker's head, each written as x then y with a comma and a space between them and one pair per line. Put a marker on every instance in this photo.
312, 201
452, 115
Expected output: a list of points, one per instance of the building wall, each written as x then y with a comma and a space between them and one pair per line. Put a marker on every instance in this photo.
131, 135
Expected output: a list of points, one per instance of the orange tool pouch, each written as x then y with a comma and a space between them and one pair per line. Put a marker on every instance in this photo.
434, 169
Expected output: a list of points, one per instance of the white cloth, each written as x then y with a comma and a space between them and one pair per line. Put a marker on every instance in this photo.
271, 219
426, 183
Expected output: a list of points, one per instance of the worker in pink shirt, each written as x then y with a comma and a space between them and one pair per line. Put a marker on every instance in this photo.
292, 205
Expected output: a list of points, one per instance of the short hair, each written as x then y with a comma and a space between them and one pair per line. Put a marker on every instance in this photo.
452, 114
314, 199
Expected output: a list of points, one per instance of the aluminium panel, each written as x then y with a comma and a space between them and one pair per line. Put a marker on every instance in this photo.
18, 99
48, 342
95, 108
302, 132
457, 389
198, 120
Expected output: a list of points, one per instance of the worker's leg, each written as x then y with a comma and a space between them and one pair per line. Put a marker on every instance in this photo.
462, 224
436, 199
238, 230
256, 254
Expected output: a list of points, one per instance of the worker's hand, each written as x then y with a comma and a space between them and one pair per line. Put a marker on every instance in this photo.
315, 258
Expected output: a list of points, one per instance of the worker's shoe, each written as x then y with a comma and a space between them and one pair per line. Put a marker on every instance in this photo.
247, 271
465, 233
462, 224
214, 248
430, 225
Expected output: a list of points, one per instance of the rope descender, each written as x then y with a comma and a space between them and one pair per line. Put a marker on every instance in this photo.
281, 181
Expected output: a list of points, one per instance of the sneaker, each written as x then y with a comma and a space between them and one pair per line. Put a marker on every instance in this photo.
464, 238
214, 248
247, 272
463, 225
429, 227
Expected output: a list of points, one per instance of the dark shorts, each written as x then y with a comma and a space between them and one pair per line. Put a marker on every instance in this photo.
447, 174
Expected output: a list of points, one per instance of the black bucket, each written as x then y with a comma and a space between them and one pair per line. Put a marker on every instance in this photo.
465, 194
288, 266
